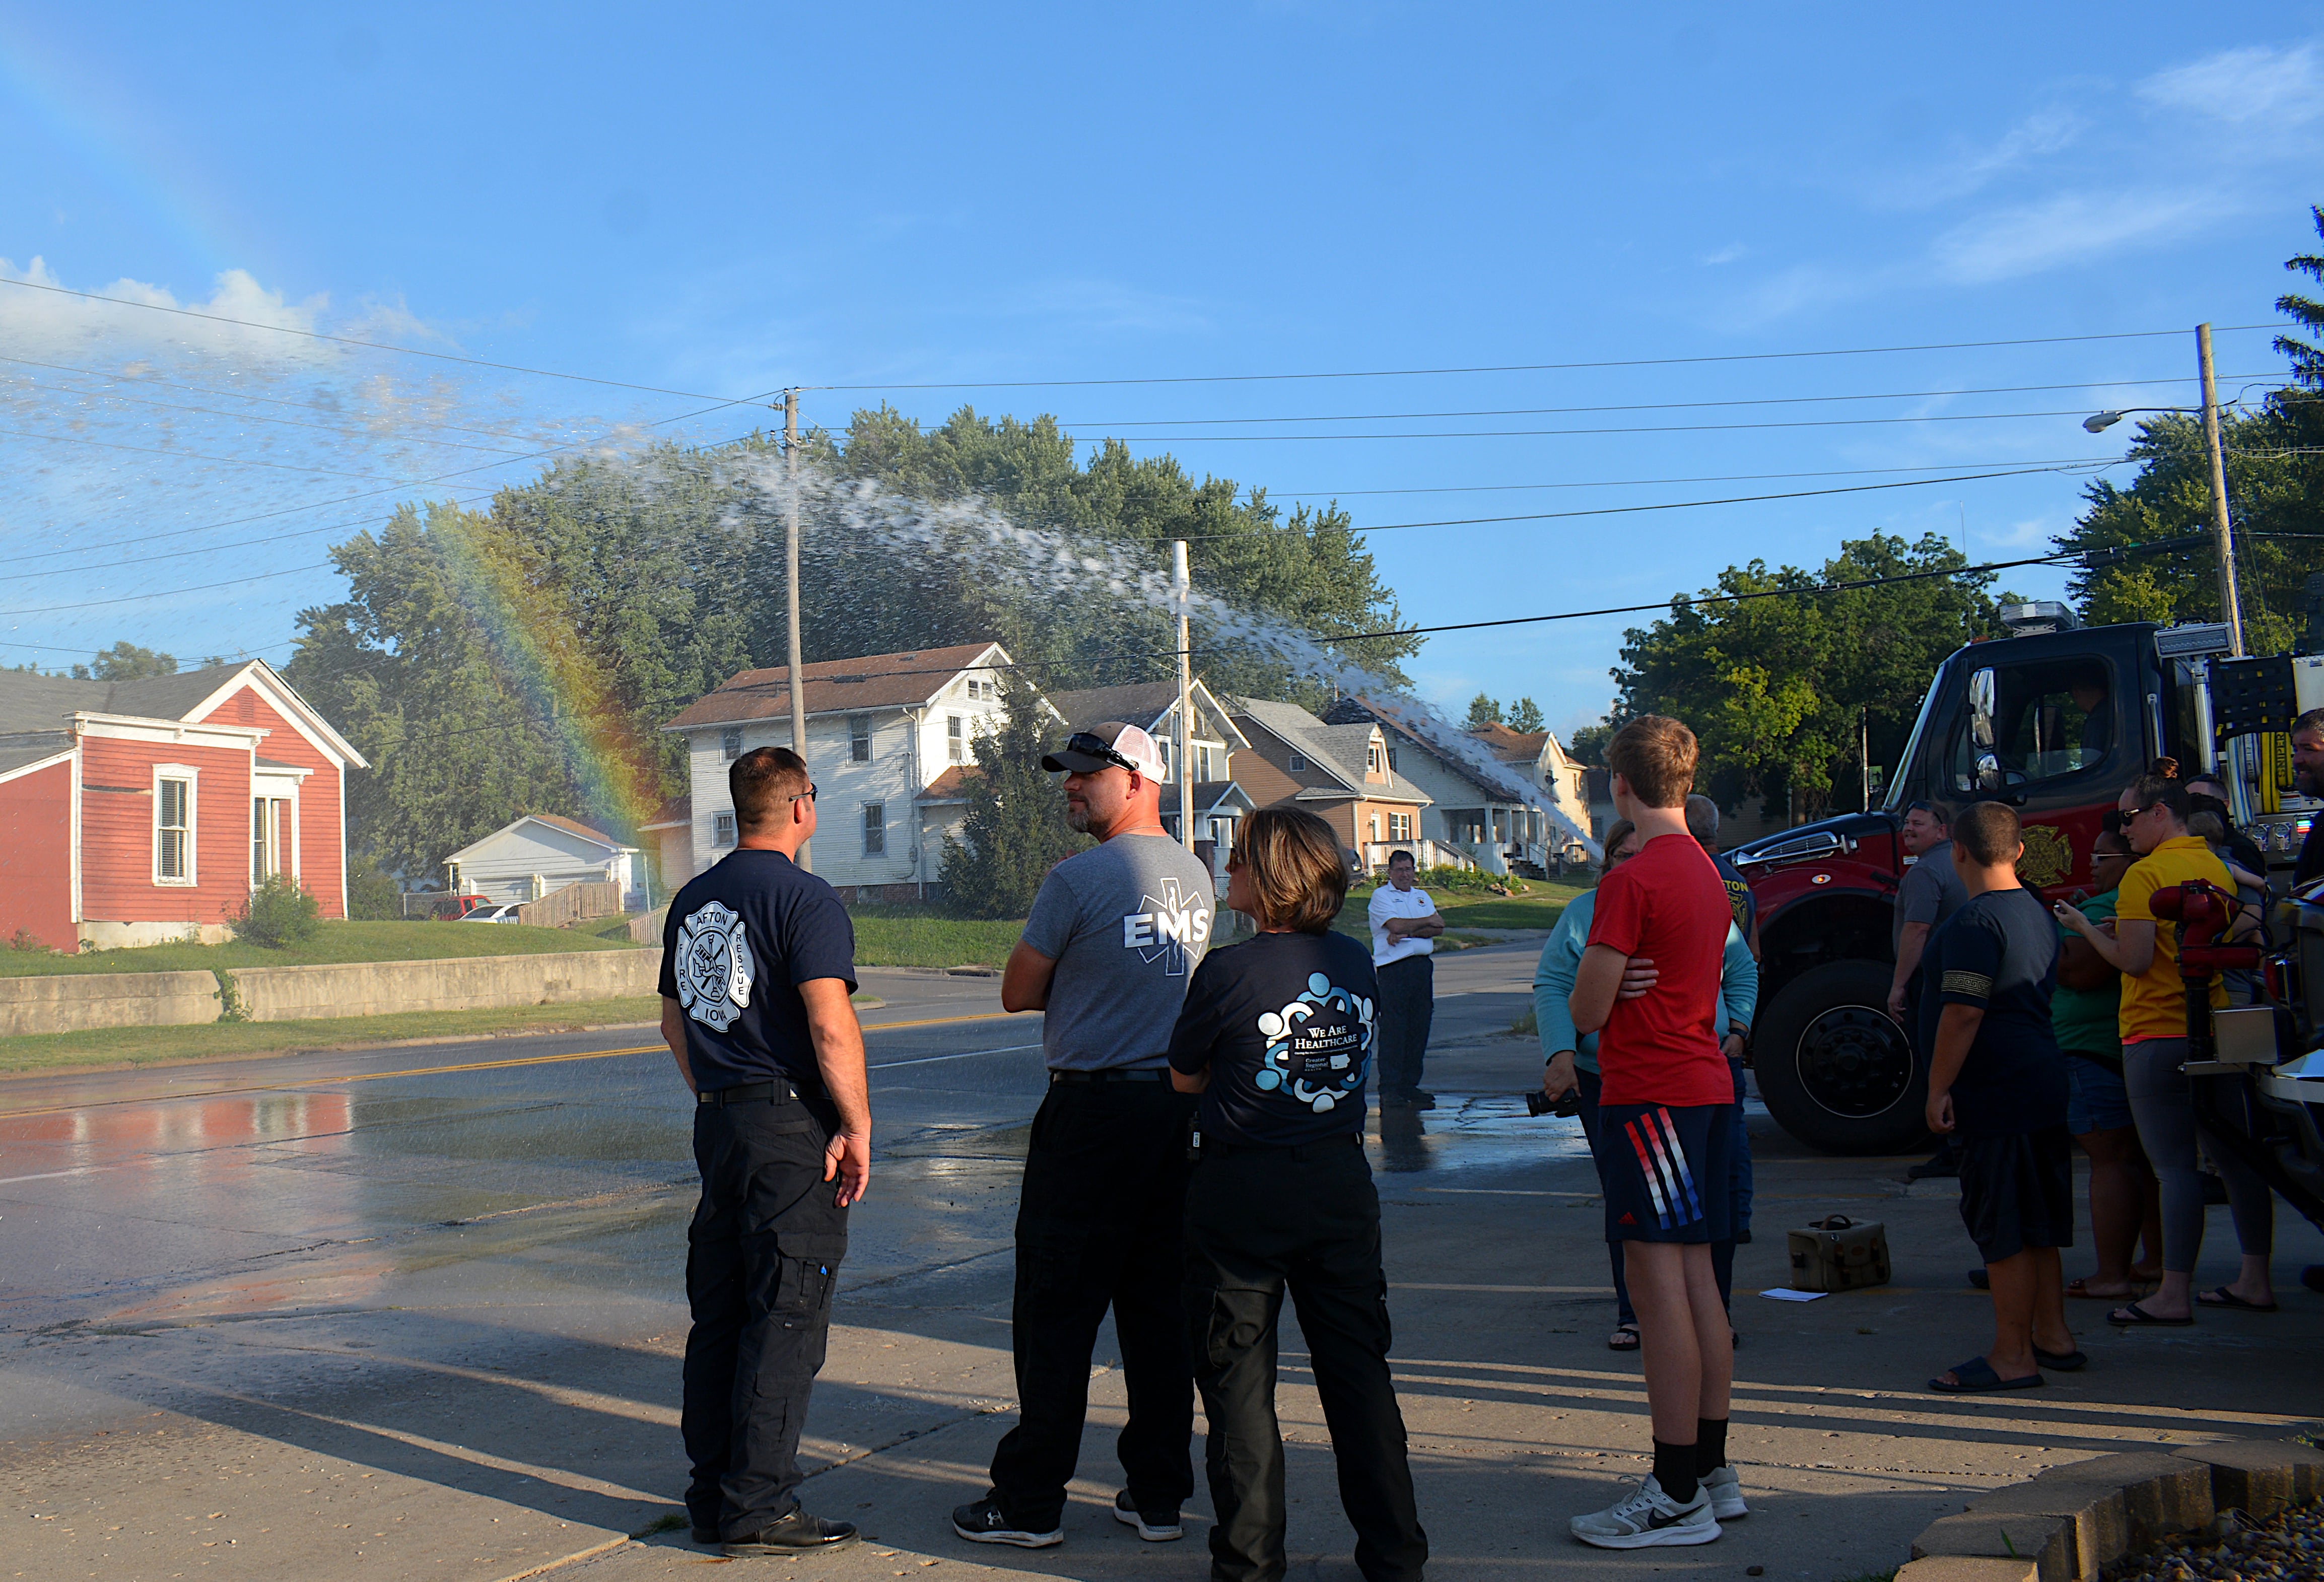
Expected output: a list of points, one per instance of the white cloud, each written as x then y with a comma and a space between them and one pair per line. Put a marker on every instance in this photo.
2044, 132
2285, 86
1726, 254
2070, 228
38, 313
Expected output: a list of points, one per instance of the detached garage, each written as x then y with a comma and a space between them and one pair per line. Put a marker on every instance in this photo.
542, 854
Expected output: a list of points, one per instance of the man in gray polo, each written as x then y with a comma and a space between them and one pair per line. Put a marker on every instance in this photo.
1114, 936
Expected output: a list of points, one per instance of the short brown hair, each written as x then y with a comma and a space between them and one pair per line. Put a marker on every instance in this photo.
1657, 755
763, 782
2312, 721
1990, 832
1297, 869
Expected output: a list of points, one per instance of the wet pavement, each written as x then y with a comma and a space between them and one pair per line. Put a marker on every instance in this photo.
420, 1308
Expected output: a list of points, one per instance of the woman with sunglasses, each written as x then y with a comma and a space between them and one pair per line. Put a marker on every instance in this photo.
1276, 1035
2153, 1021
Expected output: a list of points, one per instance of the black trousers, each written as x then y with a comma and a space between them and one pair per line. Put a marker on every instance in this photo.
762, 1256
1099, 1225
1407, 1001
1308, 1218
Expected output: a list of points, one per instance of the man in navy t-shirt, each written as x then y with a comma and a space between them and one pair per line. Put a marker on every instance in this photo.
1998, 1082
758, 964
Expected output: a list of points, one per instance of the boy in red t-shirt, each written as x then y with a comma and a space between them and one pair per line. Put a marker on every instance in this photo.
1666, 1112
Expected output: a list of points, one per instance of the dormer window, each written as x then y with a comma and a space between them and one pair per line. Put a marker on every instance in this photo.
1298, 764
1372, 757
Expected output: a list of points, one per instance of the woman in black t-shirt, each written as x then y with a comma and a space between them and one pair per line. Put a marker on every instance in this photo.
1276, 1035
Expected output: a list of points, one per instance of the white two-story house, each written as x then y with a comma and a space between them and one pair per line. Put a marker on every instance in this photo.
884, 733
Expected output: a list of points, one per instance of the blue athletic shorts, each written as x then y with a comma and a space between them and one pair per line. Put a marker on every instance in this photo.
2095, 1099
1666, 1170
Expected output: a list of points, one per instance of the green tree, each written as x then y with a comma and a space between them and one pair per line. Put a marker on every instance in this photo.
2307, 358
1525, 716
1778, 688
1014, 830
1484, 712
125, 661
1587, 744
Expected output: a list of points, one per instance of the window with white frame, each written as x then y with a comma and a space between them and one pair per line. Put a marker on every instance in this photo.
875, 829
722, 829
1203, 764
730, 744
269, 817
1375, 826
955, 738
1399, 826
1372, 757
859, 738
173, 826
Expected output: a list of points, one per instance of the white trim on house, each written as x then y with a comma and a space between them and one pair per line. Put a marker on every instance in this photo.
303, 718
74, 859
191, 878
129, 728
63, 755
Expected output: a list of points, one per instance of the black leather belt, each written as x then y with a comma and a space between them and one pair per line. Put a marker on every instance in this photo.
1151, 1075
750, 1093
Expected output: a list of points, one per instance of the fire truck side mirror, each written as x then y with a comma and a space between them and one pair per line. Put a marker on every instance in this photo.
1988, 772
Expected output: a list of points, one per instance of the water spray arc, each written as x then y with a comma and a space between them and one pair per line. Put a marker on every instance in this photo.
1182, 587
791, 589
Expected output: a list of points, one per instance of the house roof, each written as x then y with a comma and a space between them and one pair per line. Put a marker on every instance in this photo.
1336, 750
42, 703
952, 785
1210, 796
18, 752
554, 821
838, 687
677, 813
1511, 747
1141, 704
1391, 722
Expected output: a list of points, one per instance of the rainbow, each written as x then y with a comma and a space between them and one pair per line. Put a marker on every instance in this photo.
534, 633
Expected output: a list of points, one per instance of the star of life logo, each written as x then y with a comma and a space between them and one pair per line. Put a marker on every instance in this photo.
714, 968
1164, 930
1317, 1046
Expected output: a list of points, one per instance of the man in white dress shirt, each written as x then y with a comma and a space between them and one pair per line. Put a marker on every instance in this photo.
1404, 925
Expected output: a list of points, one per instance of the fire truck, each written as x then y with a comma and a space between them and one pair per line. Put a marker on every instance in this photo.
2056, 719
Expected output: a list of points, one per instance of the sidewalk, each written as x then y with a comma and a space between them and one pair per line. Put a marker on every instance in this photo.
483, 1416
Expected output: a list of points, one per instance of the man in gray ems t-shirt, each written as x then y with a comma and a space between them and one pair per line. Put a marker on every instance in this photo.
1114, 936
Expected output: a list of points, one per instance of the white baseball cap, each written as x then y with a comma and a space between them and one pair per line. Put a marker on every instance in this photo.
1110, 745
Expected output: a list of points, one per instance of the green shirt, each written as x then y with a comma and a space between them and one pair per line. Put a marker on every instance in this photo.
2085, 1018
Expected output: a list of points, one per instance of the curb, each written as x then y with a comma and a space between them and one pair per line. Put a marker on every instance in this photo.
2072, 1520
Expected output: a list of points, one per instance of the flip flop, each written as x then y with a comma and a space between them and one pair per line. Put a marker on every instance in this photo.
1624, 1338
2220, 1296
1980, 1279
2131, 1316
1976, 1377
2078, 1288
2062, 1362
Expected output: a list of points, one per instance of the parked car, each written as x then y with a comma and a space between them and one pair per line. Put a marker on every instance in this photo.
507, 913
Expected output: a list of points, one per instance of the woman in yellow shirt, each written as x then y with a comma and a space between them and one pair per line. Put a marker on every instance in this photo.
2153, 1021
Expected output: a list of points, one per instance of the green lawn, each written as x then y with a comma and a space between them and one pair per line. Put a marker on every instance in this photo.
895, 937
1464, 907
335, 942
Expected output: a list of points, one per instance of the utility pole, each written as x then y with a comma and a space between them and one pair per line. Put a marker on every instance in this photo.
2230, 607
791, 587
1180, 592
1864, 751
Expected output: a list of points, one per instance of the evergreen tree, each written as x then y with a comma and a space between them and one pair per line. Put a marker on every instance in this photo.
2307, 357
1525, 716
1484, 712
1015, 828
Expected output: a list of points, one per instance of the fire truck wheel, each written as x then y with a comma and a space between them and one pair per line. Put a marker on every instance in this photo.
1835, 1071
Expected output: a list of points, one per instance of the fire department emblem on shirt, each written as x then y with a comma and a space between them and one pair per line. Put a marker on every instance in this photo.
714, 966
2049, 856
1316, 1062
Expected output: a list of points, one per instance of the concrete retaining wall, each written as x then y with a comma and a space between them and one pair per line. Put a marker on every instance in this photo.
371, 988
2072, 1522
73, 1002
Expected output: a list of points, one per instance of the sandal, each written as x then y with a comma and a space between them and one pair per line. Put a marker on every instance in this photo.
1625, 1338
2131, 1316
1976, 1377
2220, 1296
2062, 1362
2078, 1288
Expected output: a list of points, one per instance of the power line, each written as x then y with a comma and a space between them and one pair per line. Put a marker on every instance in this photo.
368, 346
1906, 395
1544, 367
2058, 462
331, 428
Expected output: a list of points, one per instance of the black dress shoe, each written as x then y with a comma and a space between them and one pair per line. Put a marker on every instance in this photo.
706, 1536
795, 1533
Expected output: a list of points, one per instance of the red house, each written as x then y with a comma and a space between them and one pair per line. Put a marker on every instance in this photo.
133, 812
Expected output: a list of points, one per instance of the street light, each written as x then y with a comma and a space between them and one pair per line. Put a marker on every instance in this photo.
2230, 607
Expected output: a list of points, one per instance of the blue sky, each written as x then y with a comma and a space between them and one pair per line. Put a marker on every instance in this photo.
872, 195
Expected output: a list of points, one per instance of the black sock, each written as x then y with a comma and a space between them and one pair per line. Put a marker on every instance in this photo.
1674, 1470
1710, 1444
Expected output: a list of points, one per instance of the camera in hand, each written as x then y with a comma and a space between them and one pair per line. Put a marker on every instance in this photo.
1566, 1106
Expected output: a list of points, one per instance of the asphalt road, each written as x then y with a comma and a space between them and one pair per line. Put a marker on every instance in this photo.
420, 1308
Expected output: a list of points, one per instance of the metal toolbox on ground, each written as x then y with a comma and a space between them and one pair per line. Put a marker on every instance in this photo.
1839, 1254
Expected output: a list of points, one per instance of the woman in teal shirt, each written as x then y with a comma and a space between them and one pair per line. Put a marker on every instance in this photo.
1573, 1060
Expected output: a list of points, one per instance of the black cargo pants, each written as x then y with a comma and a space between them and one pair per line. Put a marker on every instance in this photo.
1407, 1004
1099, 1224
1259, 1220
762, 1256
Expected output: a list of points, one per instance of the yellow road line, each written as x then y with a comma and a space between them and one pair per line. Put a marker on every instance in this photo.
480, 1065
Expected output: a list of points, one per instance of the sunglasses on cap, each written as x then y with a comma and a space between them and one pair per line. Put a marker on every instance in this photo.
1920, 806
1097, 746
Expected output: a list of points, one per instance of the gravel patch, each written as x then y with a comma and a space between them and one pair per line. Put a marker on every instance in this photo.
2288, 1547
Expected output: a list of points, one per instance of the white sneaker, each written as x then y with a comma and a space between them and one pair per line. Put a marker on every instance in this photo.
1726, 1492
1647, 1518
1153, 1532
